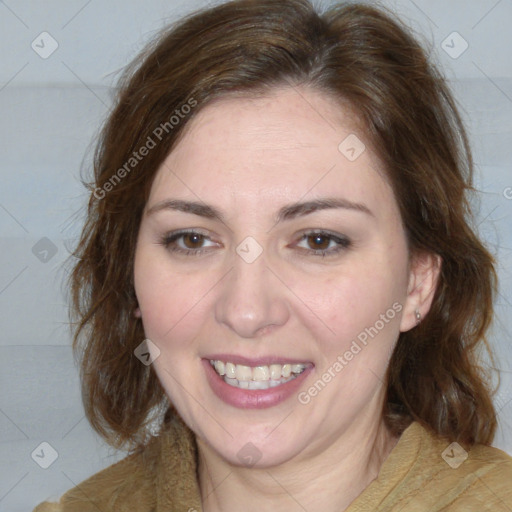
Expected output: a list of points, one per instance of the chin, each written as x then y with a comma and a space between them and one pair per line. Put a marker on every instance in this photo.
259, 446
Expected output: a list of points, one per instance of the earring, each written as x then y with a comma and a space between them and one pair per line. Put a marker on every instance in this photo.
418, 316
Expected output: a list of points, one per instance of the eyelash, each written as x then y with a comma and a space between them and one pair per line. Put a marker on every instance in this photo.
343, 243
169, 242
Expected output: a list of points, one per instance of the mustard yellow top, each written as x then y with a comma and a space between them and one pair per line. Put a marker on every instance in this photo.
421, 474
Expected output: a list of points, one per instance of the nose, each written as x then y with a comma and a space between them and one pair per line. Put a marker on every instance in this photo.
252, 301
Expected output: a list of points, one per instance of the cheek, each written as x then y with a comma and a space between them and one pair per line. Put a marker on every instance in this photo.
365, 297
352, 298
170, 302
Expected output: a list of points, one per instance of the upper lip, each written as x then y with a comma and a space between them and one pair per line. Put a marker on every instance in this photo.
256, 361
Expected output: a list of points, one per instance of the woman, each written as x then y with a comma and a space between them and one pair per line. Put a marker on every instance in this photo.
272, 284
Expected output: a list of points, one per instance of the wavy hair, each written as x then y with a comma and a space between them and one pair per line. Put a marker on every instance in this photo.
365, 58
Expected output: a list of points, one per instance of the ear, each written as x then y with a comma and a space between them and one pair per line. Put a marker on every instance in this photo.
137, 313
423, 278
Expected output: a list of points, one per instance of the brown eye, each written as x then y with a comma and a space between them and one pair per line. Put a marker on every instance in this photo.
318, 242
188, 243
193, 240
323, 243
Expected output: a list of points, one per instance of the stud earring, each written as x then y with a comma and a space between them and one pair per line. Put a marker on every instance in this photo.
418, 316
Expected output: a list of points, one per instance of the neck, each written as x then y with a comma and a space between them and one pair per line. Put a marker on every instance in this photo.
329, 481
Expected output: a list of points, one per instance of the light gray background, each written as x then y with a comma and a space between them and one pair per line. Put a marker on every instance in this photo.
50, 110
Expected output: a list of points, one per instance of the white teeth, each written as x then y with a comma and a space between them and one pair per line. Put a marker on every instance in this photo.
257, 384
287, 370
275, 371
261, 373
271, 376
220, 367
230, 370
243, 372
231, 382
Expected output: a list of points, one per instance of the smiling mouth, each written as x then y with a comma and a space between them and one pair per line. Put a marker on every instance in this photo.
257, 377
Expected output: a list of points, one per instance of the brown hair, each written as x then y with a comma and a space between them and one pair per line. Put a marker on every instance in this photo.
360, 55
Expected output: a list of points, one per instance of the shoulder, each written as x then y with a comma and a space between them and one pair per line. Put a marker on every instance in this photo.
487, 473
117, 487
163, 471
478, 478
426, 472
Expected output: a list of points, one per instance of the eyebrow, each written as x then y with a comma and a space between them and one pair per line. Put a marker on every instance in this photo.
287, 212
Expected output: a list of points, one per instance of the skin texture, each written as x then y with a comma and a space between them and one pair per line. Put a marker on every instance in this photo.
247, 158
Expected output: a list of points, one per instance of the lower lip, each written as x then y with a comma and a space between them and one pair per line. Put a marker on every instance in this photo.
252, 398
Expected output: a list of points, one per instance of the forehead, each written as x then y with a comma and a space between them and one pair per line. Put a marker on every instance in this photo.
285, 145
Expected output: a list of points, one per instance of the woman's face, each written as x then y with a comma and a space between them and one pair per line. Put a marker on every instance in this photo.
278, 253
